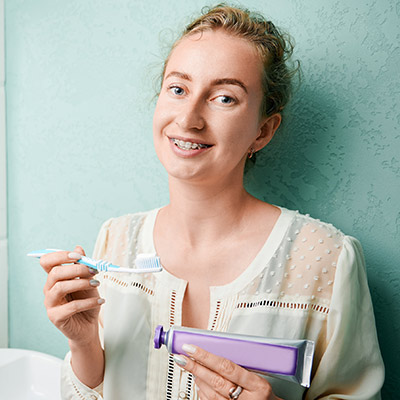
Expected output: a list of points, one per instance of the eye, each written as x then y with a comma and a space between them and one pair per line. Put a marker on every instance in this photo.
223, 99
176, 90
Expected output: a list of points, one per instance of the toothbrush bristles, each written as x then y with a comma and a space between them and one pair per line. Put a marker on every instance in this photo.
148, 262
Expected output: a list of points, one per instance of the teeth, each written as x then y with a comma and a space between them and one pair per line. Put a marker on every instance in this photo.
189, 145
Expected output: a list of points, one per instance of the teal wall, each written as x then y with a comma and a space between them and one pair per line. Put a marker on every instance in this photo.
80, 84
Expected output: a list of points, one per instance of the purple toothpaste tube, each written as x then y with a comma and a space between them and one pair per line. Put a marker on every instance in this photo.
282, 358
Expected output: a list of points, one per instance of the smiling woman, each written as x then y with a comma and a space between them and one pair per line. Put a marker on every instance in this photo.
211, 106
231, 262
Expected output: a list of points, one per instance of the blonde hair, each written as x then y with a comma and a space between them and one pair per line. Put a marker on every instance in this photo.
273, 46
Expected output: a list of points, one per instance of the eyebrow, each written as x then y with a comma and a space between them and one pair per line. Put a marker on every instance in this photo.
216, 82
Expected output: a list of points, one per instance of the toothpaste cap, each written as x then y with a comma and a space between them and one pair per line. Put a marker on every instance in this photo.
159, 336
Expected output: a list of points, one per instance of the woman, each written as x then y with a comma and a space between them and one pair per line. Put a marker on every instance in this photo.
231, 262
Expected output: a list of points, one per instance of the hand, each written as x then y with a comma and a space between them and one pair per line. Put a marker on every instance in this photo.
216, 376
71, 297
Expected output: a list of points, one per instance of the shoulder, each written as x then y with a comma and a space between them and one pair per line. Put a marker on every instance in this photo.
116, 234
125, 223
313, 227
312, 234
315, 252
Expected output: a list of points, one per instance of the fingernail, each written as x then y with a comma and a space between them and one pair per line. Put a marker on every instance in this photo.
74, 256
100, 301
188, 348
94, 282
93, 271
180, 360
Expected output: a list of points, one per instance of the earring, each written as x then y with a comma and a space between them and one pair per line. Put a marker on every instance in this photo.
251, 152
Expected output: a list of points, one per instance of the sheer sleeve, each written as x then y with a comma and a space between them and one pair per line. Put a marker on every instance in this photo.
351, 366
72, 388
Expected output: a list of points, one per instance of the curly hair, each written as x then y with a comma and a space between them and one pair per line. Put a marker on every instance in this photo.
273, 46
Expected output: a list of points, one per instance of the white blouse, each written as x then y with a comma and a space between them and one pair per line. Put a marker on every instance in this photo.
307, 282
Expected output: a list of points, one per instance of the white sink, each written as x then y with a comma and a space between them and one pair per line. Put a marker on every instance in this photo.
29, 375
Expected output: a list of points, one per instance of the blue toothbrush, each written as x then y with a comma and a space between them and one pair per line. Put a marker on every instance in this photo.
144, 262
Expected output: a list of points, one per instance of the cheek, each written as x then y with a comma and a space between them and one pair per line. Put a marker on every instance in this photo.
161, 117
241, 132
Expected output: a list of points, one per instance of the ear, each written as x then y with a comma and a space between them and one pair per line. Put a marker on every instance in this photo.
268, 127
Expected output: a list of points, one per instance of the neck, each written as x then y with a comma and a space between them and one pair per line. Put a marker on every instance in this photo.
202, 214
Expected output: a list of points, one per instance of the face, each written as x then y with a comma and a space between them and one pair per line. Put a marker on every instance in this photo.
207, 115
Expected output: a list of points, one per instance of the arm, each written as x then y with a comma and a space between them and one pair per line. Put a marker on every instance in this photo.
87, 361
73, 304
351, 366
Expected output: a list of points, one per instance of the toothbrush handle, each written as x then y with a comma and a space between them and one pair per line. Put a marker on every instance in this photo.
100, 265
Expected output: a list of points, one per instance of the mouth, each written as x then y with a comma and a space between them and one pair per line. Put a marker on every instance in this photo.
189, 145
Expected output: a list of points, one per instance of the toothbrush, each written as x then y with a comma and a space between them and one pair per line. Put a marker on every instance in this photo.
144, 262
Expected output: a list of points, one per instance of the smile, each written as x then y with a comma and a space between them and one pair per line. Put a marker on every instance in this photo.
189, 145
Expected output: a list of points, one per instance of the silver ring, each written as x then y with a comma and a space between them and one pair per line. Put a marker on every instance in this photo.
234, 393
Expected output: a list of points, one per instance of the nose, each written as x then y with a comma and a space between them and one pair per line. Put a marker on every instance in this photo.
190, 116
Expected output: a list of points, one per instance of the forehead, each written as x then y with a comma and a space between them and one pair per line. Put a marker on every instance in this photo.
216, 54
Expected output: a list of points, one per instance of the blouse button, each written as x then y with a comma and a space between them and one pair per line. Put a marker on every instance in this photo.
182, 395
93, 397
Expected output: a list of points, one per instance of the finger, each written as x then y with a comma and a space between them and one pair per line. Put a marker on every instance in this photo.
205, 391
57, 294
61, 313
48, 261
217, 385
67, 272
227, 369
79, 249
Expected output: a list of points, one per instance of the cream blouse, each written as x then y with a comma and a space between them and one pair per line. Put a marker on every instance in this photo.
307, 282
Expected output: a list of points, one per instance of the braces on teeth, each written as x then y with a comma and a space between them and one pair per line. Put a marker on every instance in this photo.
189, 145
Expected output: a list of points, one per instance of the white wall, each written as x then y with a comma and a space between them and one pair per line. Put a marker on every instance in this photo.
3, 195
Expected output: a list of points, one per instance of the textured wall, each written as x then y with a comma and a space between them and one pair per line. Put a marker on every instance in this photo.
79, 108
